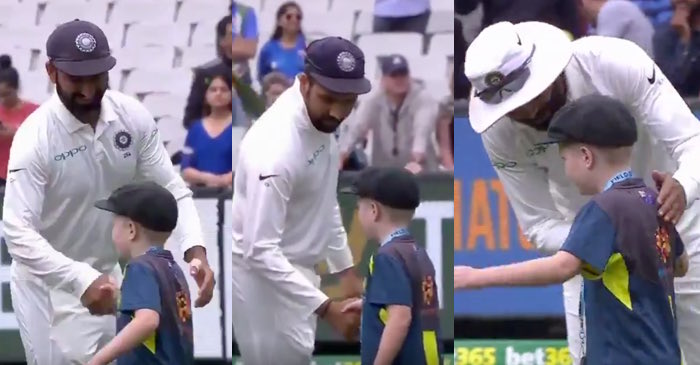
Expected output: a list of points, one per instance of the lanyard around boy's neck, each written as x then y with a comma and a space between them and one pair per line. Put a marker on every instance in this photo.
401, 232
621, 176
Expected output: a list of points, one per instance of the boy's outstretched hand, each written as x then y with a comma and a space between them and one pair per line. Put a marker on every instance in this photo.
466, 277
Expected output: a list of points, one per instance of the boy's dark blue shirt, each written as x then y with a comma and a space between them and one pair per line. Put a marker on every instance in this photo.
154, 281
628, 256
401, 273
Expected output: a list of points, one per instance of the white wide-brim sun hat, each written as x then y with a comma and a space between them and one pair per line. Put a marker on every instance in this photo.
504, 46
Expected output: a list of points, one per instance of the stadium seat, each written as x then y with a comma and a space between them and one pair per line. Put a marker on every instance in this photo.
115, 79
58, 12
365, 23
141, 81
26, 36
150, 11
378, 44
441, 21
329, 24
15, 13
428, 67
155, 34
204, 34
36, 86
443, 5
172, 133
271, 6
442, 44
162, 104
21, 57
197, 55
195, 11
145, 57
438, 89
352, 5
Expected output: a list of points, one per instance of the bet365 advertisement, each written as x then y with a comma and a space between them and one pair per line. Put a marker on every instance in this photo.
487, 234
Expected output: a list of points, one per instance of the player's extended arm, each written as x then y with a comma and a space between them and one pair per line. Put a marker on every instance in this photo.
340, 258
395, 330
527, 188
22, 209
263, 225
144, 323
154, 164
634, 78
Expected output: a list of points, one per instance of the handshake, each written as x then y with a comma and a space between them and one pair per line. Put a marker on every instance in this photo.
101, 296
344, 316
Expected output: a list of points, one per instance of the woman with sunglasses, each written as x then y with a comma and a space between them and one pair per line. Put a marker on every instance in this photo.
284, 52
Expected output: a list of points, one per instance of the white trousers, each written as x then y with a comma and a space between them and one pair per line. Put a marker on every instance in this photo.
268, 326
56, 329
572, 297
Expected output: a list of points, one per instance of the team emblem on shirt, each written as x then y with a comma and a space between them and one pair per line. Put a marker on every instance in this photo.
122, 140
663, 243
346, 61
428, 290
85, 42
183, 306
494, 78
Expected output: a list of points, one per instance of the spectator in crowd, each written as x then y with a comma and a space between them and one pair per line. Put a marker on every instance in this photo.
243, 40
401, 15
284, 52
677, 48
659, 12
273, 85
401, 115
460, 80
223, 64
620, 19
13, 110
560, 13
445, 129
207, 155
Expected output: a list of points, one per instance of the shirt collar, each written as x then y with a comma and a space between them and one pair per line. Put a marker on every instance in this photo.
72, 124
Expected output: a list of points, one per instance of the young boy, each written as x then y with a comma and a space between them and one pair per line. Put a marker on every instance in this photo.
400, 323
154, 323
626, 253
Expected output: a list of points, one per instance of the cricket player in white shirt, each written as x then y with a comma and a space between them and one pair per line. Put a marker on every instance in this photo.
521, 75
75, 149
286, 218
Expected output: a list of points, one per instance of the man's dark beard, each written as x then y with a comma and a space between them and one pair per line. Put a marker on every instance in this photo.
326, 125
77, 109
541, 121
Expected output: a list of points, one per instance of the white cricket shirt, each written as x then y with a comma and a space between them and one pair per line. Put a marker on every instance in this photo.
59, 167
285, 207
544, 200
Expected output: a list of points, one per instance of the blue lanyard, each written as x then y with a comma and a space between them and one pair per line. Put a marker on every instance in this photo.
397, 233
621, 176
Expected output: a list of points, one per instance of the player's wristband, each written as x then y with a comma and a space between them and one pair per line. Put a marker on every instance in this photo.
323, 308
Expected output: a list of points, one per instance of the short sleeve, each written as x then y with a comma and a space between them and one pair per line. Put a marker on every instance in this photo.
592, 237
249, 26
188, 151
140, 289
390, 282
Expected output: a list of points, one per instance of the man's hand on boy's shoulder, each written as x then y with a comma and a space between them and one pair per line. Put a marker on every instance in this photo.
672, 199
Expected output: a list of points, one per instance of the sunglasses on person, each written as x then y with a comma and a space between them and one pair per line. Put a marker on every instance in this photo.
501, 86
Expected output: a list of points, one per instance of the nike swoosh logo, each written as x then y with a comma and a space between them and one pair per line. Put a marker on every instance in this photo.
264, 177
652, 79
15, 170
519, 42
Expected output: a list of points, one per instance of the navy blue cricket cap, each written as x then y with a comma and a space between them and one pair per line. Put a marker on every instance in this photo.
338, 65
596, 120
393, 64
393, 187
79, 48
145, 203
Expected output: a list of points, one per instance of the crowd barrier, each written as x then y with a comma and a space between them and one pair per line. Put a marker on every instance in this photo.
433, 227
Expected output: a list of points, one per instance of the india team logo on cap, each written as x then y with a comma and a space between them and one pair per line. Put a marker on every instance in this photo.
346, 61
494, 78
85, 42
